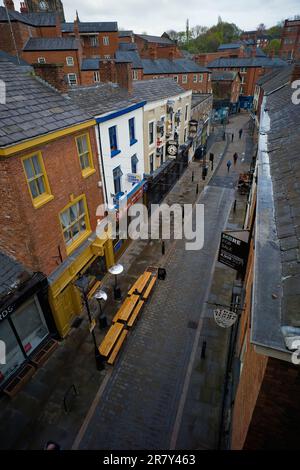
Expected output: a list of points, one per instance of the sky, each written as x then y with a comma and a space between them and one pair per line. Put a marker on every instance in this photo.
157, 16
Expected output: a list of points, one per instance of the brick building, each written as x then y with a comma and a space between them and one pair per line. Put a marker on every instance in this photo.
259, 38
50, 186
226, 87
290, 40
265, 369
38, 6
157, 47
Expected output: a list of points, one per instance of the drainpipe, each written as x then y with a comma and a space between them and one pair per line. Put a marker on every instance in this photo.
102, 171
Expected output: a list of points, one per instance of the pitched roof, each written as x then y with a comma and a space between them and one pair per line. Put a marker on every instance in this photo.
12, 275
4, 56
32, 107
161, 66
91, 27
247, 62
198, 98
33, 19
51, 44
127, 46
223, 75
153, 90
156, 39
277, 80
130, 56
231, 45
124, 34
90, 64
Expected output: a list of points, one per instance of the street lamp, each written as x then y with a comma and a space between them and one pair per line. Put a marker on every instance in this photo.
115, 271
83, 283
101, 295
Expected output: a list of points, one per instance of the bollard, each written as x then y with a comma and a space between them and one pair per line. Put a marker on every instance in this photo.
234, 206
203, 350
192, 176
162, 247
197, 188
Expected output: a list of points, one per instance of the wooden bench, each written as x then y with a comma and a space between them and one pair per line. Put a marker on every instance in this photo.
110, 339
126, 309
140, 284
117, 348
149, 288
135, 313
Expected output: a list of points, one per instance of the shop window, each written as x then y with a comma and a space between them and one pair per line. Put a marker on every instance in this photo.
96, 270
131, 125
37, 180
85, 154
14, 354
113, 140
75, 223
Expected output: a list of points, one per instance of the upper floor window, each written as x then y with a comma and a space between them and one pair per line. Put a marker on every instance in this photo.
131, 125
37, 180
134, 163
70, 61
186, 115
117, 176
113, 140
208, 77
106, 40
151, 133
200, 77
85, 154
94, 41
41, 60
184, 78
96, 77
74, 223
135, 75
175, 78
195, 78
72, 78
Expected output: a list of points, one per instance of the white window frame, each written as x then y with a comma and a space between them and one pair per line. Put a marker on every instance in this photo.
175, 77
96, 76
106, 40
70, 63
69, 80
94, 41
41, 60
184, 78
135, 74
107, 56
195, 78
200, 77
154, 133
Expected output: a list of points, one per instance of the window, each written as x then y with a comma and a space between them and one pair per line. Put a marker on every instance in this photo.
106, 40
37, 180
185, 135
85, 155
162, 155
96, 77
151, 133
75, 223
195, 78
186, 115
184, 78
243, 79
117, 175
113, 141
208, 77
155, 77
200, 77
151, 162
135, 75
175, 78
107, 56
134, 163
162, 131
131, 126
243, 70
41, 60
72, 77
94, 41
70, 61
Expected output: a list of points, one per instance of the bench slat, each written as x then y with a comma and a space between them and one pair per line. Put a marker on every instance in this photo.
117, 348
135, 313
110, 339
149, 288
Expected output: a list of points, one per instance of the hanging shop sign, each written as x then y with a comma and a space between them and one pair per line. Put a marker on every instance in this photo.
172, 149
193, 127
225, 318
234, 249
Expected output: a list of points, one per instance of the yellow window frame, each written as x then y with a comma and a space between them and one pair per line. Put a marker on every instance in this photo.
46, 196
90, 170
84, 235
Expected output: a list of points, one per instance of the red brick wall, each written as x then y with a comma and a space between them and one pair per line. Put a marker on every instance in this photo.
291, 32
21, 33
101, 50
157, 51
33, 235
199, 87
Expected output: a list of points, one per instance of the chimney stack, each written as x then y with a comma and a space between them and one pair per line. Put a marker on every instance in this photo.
53, 74
9, 4
171, 54
58, 26
153, 52
108, 71
124, 75
23, 7
76, 27
296, 72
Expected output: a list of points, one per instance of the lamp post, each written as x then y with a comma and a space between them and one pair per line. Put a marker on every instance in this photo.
82, 283
101, 295
115, 271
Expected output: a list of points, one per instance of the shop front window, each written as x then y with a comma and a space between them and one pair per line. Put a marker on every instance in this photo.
14, 356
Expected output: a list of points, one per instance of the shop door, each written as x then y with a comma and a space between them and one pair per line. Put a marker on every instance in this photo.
69, 306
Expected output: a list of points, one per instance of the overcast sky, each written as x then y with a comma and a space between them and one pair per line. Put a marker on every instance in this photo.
157, 16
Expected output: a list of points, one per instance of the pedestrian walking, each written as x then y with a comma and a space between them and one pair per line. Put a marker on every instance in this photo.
240, 133
235, 157
228, 165
232, 137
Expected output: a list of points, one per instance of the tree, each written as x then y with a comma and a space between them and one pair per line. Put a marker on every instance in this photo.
261, 27
273, 46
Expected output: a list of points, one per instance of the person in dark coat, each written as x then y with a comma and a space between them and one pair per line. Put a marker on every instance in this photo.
235, 157
228, 165
232, 137
240, 133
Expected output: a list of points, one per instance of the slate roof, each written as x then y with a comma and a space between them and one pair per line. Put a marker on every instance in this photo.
156, 39
277, 80
223, 75
107, 97
247, 62
12, 275
33, 19
91, 27
161, 66
127, 46
130, 56
124, 34
32, 107
277, 288
231, 45
90, 64
198, 98
4, 56
51, 44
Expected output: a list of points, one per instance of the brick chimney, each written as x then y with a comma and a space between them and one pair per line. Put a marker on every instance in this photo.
76, 27
124, 75
53, 74
296, 72
153, 52
23, 7
9, 4
171, 54
58, 26
108, 71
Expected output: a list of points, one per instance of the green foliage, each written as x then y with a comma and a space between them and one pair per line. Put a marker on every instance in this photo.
273, 45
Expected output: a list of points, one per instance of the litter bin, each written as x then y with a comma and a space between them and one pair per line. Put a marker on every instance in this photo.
161, 274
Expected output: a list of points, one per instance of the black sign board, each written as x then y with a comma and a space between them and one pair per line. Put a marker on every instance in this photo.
172, 149
233, 251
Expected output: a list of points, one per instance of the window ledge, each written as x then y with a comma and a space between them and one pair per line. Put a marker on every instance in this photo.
115, 152
41, 200
133, 141
88, 172
77, 243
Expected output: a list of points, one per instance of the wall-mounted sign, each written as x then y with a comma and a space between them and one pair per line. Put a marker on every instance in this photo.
171, 149
193, 127
134, 178
224, 318
234, 249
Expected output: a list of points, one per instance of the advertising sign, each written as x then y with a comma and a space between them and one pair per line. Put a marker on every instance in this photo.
234, 248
